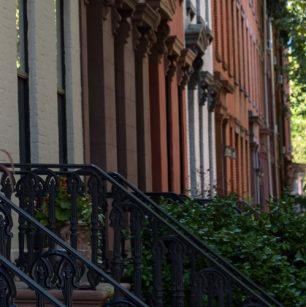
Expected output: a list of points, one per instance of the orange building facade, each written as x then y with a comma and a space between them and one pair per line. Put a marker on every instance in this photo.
252, 133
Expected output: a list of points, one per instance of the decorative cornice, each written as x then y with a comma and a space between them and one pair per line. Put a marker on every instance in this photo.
206, 78
225, 84
162, 34
126, 5
186, 60
265, 131
175, 46
106, 6
123, 10
187, 57
143, 39
146, 16
145, 21
255, 119
190, 9
166, 8
198, 38
209, 89
121, 25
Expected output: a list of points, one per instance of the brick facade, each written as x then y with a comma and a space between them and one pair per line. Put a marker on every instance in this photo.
250, 162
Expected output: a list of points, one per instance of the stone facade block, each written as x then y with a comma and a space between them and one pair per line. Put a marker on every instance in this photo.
43, 81
9, 135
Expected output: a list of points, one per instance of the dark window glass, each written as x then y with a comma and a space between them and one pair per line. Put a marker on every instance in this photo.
61, 97
23, 82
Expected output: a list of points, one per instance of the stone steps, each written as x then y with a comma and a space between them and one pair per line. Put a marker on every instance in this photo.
80, 298
90, 298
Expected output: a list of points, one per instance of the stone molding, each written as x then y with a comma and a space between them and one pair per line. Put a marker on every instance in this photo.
190, 9
226, 86
209, 89
121, 12
175, 47
166, 8
145, 20
198, 38
185, 61
146, 16
162, 34
126, 5
106, 6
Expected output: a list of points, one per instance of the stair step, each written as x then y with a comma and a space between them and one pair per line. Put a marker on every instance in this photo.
90, 298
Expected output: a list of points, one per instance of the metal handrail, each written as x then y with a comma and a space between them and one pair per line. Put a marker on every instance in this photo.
225, 264
163, 217
30, 282
71, 250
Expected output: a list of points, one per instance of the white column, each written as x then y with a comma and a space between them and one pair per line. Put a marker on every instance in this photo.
42, 81
9, 127
73, 82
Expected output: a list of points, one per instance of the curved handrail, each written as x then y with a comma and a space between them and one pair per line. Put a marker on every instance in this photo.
59, 241
162, 216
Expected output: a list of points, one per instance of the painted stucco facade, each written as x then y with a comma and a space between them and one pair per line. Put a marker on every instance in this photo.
200, 109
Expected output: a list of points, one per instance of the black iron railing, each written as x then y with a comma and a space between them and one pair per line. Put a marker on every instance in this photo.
8, 288
137, 242
59, 268
220, 262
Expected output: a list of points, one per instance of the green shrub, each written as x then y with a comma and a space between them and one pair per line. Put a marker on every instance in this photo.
267, 247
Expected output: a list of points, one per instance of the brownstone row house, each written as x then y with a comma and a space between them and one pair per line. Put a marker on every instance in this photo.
252, 112
141, 90
177, 96
134, 69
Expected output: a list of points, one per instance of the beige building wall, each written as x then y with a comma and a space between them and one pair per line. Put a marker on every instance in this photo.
43, 81
73, 81
9, 135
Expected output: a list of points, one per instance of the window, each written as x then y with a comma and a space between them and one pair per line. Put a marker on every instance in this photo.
23, 82
61, 96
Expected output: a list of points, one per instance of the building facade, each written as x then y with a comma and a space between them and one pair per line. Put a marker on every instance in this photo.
252, 131
201, 118
181, 96
41, 108
134, 70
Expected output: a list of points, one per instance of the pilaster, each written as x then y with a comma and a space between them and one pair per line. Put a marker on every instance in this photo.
145, 21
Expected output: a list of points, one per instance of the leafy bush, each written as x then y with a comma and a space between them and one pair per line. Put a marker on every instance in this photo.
63, 206
269, 247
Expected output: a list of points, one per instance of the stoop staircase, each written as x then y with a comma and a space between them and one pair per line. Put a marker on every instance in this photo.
139, 252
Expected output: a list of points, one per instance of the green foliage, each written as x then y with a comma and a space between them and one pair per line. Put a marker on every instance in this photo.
298, 123
290, 19
268, 247
63, 206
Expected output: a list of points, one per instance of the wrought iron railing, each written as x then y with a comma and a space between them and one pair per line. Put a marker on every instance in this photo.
61, 267
8, 288
137, 242
220, 262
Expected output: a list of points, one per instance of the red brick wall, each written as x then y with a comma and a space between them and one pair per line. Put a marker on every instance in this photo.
238, 60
